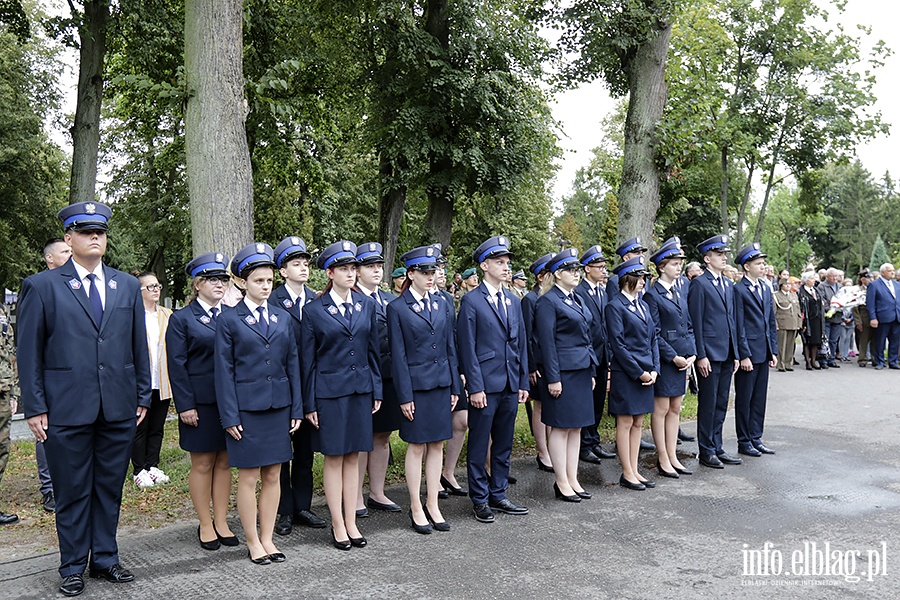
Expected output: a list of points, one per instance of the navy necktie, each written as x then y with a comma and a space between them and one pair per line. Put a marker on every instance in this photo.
501, 308
427, 306
348, 313
94, 297
263, 325
214, 311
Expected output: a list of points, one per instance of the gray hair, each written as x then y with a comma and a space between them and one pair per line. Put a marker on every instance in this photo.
808, 275
885, 266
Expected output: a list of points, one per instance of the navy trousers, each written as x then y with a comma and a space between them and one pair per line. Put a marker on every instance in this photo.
712, 404
750, 391
296, 476
590, 436
886, 333
491, 427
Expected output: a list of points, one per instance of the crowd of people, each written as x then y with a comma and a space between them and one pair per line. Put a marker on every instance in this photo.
262, 376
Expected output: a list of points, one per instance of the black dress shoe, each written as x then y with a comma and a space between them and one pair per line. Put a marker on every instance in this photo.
563, 497
542, 466
763, 448
511, 479
711, 461
211, 545
362, 513
73, 585
894, 367
443, 495
308, 518
450, 489
588, 456
599, 451
442, 526
584, 495
48, 502
340, 545
631, 485
508, 506
387, 507
728, 459
230, 540
685, 437
8, 519
284, 525
683, 471
116, 573
359, 542
423, 529
263, 560
647, 446
837, 366
749, 451
664, 473
483, 513
277, 557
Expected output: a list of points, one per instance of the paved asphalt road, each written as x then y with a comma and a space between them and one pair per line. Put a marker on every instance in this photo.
830, 495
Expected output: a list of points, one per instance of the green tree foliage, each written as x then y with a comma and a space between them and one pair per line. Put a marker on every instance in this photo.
787, 229
879, 254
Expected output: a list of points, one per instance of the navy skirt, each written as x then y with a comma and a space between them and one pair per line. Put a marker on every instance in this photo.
432, 421
388, 417
575, 406
345, 425
671, 381
265, 439
207, 436
628, 397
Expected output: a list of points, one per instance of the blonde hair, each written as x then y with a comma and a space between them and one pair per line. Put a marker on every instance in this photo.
548, 283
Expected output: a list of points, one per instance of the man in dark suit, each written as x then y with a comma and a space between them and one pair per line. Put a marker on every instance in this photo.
711, 304
85, 376
296, 476
594, 297
828, 289
883, 304
754, 318
493, 358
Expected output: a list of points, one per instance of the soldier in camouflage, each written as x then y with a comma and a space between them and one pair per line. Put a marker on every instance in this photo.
9, 395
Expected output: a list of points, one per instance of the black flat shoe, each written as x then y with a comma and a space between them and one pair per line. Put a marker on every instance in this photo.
683, 471
631, 486
563, 497
664, 473
277, 557
73, 585
542, 466
264, 560
385, 506
453, 491
340, 545
423, 529
231, 540
211, 545
649, 484
359, 542
362, 513
442, 526
584, 495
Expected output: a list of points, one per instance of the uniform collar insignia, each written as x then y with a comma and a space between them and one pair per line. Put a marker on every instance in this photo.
287, 303
112, 284
205, 320
250, 320
273, 318
75, 284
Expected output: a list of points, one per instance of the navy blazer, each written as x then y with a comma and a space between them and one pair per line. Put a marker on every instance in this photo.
534, 351
632, 339
674, 331
338, 361
384, 345
68, 366
256, 372
282, 298
712, 316
424, 349
755, 320
493, 356
564, 334
190, 347
598, 325
880, 303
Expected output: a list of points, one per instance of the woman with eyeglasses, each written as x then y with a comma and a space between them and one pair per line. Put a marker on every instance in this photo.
190, 341
149, 434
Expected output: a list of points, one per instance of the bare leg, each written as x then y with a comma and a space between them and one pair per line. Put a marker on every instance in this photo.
455, 445
434, 459
269, 494
246, 503
673, 419
333, 481
413, 463
558, 447
350, 476
573, 448
658, 427
623, 446
221, 493
540, 432
637, 423
363, 467
200, 481
377, 467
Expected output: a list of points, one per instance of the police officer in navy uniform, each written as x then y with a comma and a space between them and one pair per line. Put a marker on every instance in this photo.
595, 298
258, 391
493, 354
81, 329
293, 258
190, 343
387, 419
754, 317
341, 370
711, 304
630, 249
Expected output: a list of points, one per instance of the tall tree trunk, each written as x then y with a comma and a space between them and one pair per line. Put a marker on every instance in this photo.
86, 129
745, 201
769, 184
219, 176
390, 211
723, 191
639, 191
439, 217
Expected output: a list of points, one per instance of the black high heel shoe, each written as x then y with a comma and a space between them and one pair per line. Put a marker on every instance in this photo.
560, 496
359, 542
542, 466
683, 471
231, 540
664, 473
453, 491
340, 545
584, 495
423, 529
442, 526
211, 545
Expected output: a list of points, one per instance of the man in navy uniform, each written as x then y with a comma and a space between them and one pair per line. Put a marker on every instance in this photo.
84, 370
296, 476
754, 318
883, 304
711, 304
493, 357
594, 297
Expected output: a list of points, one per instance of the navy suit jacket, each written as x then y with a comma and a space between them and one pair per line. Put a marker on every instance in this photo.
69, 367
881, 304
674, 331
712, 316
755, 320
190, 346
282, 298
256, 372
564, 334
598, 325
384, 345
534, 350
494, 357
424, 350
632, 338
337, 360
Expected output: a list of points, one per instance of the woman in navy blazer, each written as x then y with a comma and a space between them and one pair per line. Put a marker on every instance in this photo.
341, 373
191, 341
677, 352
258, 392
633, 366
563, 325
426, 379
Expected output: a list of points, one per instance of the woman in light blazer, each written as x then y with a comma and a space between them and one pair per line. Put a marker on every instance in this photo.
788, 320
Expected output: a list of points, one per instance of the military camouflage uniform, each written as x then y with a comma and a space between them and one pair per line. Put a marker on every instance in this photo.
9, 388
